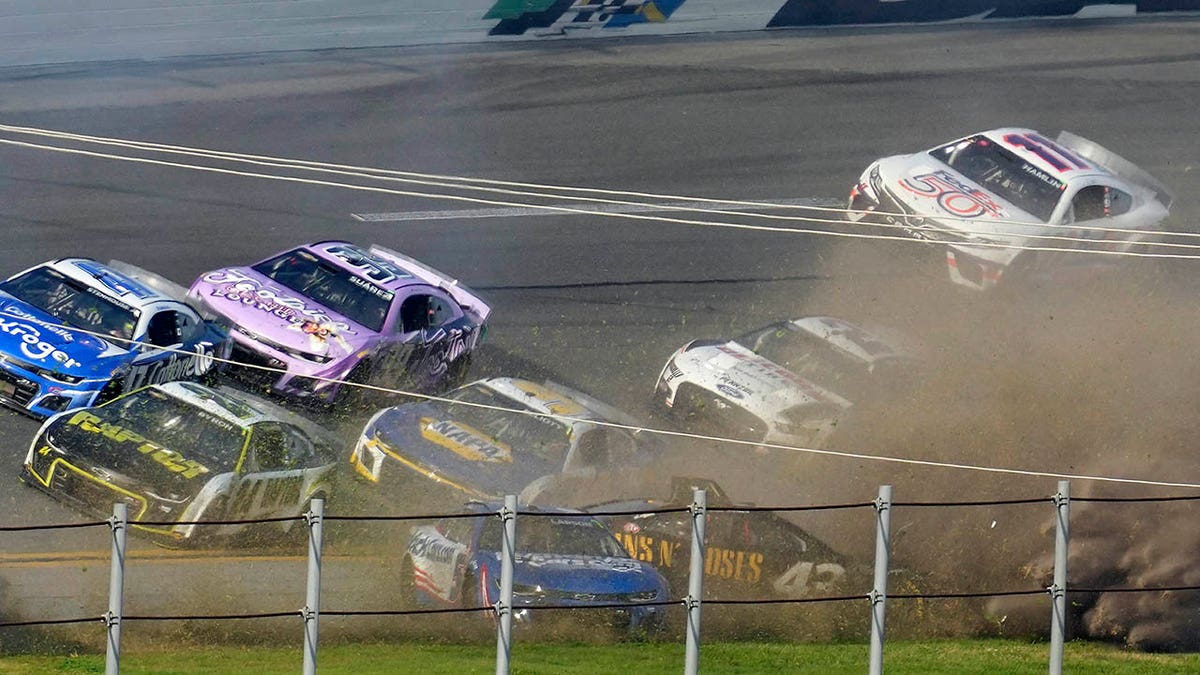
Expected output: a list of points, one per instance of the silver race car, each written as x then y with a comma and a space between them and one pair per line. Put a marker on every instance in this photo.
992, 194
791, 382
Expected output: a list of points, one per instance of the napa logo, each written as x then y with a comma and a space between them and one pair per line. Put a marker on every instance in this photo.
560, 16
466, 441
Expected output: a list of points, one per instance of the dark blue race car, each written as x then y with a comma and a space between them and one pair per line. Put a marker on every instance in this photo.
562, 558
75, 332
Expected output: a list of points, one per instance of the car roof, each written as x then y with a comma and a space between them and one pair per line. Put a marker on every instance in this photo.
236, 411
878, 346
335, 251
542, 398
108, 281
1078, 166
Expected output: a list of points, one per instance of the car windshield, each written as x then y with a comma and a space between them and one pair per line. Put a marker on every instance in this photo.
544, 437
558, 534
73, 303
810, 358
1004, 174
177, 425
335, 287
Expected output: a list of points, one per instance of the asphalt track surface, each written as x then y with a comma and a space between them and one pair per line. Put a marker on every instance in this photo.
596, 302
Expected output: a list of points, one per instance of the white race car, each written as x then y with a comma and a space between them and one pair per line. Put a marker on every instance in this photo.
994, 193
791, 382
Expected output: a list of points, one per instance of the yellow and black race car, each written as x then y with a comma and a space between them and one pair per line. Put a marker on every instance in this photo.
180, 452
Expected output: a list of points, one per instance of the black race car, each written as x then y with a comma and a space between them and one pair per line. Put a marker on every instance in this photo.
749, 555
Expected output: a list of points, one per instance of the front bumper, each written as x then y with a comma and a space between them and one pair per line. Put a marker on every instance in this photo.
40, 397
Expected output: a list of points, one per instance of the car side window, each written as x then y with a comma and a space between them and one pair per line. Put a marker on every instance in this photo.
271, 449
414, 313
188, 325
442, 310
163, 329
1100, 201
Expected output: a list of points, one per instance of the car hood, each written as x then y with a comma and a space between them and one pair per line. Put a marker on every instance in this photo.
266, 310
755, 383
424, 437
927, 188
32, 336
120, 458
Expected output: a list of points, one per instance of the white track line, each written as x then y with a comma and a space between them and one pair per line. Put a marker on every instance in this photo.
522, 212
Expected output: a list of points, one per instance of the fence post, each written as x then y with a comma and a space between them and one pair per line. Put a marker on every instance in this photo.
1058, 591
508, 517
312, 601
699, 508
883, 535
119, 523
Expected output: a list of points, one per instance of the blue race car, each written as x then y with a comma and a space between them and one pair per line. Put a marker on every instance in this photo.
75, 332
562, 558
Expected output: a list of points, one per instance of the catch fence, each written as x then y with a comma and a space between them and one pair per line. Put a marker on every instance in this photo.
692, 601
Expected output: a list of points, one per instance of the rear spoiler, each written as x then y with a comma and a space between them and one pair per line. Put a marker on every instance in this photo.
1117, 164
463, 295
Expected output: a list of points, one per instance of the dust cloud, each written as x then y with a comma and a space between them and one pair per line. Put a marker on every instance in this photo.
1095, 376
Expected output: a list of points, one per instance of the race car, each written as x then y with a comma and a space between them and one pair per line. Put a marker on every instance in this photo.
496, 437
75, 332
748, 555
791, 382
562, 558
991, 194
319, 313
180, 452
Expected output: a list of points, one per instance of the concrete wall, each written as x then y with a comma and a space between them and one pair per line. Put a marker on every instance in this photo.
58, 31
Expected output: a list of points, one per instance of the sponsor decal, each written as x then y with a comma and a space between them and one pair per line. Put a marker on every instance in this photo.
953, 196
376, 269
1050, 152
234, 286
725, 563
771, 369
436, 548
807, 577
559, 16
266, 493
33, 346
464, 440
553, 402
733, 389
547, 559
117, 283
320, 335
169, 459
445, 347
177, 366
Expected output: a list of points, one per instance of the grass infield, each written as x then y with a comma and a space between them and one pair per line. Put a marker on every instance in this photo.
960, 657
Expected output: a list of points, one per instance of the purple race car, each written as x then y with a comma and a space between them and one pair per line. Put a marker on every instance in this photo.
337, 311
